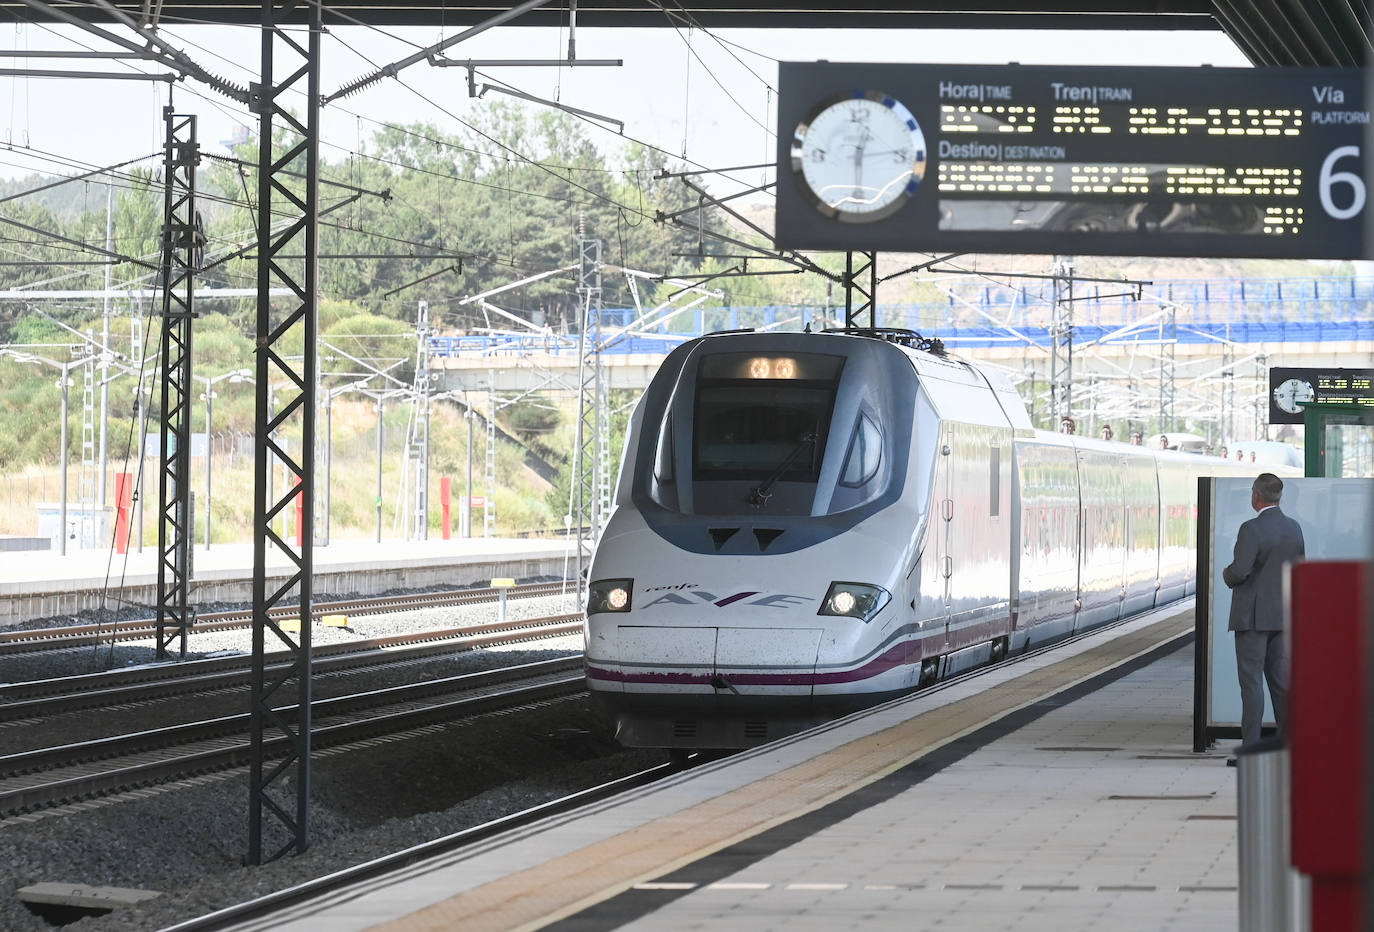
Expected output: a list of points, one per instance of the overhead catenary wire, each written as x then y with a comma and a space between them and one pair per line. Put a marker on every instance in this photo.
448, 144
237, 64
683, 13
624, 211
153, 48
507, 149
712, 75
205, 196
493, 79
245, 247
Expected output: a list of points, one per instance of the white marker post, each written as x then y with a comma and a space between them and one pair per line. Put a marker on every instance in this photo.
502, 585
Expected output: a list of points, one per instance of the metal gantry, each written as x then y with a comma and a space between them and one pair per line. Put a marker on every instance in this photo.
288, 198
417, 442
105, 353
87, 482
603, 470
861, 289
1168, 342
1261, 397
489, 476
180, 257
1228, 390
1061, 341
584, 511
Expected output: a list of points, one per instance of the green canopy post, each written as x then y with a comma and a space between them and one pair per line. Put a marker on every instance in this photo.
1324, 453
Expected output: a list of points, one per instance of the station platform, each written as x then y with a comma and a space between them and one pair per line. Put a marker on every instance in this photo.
42, 584
1054, 792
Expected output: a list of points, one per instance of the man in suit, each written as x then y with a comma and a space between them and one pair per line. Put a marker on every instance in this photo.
1264, 544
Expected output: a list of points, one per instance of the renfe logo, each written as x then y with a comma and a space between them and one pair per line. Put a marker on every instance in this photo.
699, 597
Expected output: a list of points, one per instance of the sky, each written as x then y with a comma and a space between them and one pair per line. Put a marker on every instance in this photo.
707, 97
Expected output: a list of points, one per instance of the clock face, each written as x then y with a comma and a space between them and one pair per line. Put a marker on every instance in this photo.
859, 156
1292, 394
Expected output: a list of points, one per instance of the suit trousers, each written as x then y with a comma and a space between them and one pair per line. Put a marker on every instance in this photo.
1260, 656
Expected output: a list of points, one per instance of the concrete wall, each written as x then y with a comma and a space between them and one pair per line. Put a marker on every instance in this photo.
47, 600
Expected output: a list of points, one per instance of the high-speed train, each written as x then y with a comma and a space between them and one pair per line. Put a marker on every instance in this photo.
810, 523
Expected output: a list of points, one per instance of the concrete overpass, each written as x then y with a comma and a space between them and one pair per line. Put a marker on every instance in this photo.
1205, 363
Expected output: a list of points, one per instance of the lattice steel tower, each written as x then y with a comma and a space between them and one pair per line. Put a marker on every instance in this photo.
180, 257
417, 443
1061, 341
586, 511
1168, 342
488, 498
861, 289
287, 102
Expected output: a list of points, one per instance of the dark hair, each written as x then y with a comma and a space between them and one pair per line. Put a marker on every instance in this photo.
1268, 487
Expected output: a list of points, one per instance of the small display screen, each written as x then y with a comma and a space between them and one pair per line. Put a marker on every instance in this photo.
800, 366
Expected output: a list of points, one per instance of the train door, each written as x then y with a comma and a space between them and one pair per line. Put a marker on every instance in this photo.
944, 532
913, 607
1102, 563
974, 593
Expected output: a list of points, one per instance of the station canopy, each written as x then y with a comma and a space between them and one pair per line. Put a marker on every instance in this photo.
1312, 33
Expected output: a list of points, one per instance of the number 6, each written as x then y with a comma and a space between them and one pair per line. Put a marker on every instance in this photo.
1329, 178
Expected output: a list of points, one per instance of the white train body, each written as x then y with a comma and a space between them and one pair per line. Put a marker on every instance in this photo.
806, 524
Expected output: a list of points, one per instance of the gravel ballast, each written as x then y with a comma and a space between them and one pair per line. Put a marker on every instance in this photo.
37, 665
188, 840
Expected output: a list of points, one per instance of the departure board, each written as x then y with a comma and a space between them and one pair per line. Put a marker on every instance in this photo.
1293, 389
1258, 162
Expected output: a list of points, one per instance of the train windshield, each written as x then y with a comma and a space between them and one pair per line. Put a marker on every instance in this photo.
763, 417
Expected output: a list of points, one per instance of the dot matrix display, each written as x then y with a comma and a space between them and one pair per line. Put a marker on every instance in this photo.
1107, 161
1293, 389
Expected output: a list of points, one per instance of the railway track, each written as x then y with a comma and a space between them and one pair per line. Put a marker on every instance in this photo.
283, 902
36, 639
41, 698
54, 776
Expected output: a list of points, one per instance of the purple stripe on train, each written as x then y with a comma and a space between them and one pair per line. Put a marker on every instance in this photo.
890, 660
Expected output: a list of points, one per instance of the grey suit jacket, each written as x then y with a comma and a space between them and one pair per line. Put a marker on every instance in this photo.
1265, 543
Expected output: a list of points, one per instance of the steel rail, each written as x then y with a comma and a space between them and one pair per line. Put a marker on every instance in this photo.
33, 639
343, 880
52, 776
117, 687
371, 870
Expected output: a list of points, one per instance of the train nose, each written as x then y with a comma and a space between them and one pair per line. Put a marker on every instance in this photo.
702, 660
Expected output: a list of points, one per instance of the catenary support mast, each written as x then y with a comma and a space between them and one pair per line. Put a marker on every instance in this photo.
861, 289
1168, 341
288, 250
1061, 341
180, 251
586, 517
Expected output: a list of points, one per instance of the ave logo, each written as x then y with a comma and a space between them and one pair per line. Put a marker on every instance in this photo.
700, 597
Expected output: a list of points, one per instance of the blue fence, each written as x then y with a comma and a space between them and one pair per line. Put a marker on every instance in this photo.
976, 314
1207, 300
1253, 332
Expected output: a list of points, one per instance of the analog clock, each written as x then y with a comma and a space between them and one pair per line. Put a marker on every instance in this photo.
1292, 394
859, 156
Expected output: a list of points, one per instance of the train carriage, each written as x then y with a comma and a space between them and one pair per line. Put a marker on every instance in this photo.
810, 523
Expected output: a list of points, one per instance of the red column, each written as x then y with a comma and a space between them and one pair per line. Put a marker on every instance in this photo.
124, 500
300, 519
1326, 733
445, 501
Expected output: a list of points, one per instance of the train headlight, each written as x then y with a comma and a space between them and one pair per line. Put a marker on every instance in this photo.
609, 595
854, 600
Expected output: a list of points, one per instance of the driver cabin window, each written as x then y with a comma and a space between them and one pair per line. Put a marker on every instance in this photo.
865, 453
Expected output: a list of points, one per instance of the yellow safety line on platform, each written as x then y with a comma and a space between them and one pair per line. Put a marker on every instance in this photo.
570, 883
